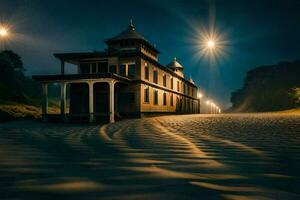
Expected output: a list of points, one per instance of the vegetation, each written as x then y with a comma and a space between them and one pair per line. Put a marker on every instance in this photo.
269, 88
19, 95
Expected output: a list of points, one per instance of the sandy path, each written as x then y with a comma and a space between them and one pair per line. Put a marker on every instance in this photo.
172, 157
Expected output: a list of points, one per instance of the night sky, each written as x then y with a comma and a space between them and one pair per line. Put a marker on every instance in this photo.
256, 32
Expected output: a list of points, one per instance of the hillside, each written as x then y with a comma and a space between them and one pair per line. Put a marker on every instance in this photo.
269, 88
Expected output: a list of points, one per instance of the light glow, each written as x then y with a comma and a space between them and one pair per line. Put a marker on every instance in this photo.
3, 32
200, 95
210, 44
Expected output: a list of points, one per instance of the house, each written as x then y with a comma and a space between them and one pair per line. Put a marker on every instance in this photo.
124, 80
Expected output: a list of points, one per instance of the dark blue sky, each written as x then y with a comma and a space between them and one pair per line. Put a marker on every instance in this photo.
257, 32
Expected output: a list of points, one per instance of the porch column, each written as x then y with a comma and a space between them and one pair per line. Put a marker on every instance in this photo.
91, 102
45, 101
111, 102
63, 100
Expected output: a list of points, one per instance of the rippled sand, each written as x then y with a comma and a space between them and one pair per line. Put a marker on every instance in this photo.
254, 156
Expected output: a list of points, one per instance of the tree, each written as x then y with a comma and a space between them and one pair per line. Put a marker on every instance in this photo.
14, 85
11, 68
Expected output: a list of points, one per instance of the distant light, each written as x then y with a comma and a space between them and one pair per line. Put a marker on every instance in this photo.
207, 102
3, 32
200, 95
211, 44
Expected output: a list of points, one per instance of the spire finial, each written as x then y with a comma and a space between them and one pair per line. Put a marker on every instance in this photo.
131, 24
175, 58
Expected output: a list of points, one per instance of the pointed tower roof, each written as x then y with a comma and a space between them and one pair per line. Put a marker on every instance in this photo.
191, 80
129, 33
175, 64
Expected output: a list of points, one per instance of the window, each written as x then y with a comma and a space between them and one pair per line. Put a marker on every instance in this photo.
171, 83
122, 70
102, 67
171, 99
93, 68
113, 69
155, 76
165, 80
146, 94
178, 86
184, 90
131, 71
146, 71
165, 99
188, 90
155, 99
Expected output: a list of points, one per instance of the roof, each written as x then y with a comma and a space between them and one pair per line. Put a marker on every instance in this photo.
174, 64
131, 34
80, 55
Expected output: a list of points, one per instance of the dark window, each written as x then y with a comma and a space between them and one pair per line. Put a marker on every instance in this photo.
146, 94
102, 67
94, 68
178, 86
188, 90
123, 70
146, 71
171, 99
165, 99
171, 83
165, 80
131, 71
155, 99
85, 68
155, 76
184, 89
126, 97
113, 69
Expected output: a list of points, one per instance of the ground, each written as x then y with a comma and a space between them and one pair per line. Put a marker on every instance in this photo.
230, 156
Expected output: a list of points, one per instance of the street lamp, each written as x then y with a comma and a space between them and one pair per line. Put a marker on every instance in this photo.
210, 103
3, 32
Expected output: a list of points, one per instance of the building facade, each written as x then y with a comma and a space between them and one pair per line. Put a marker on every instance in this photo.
124, 80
